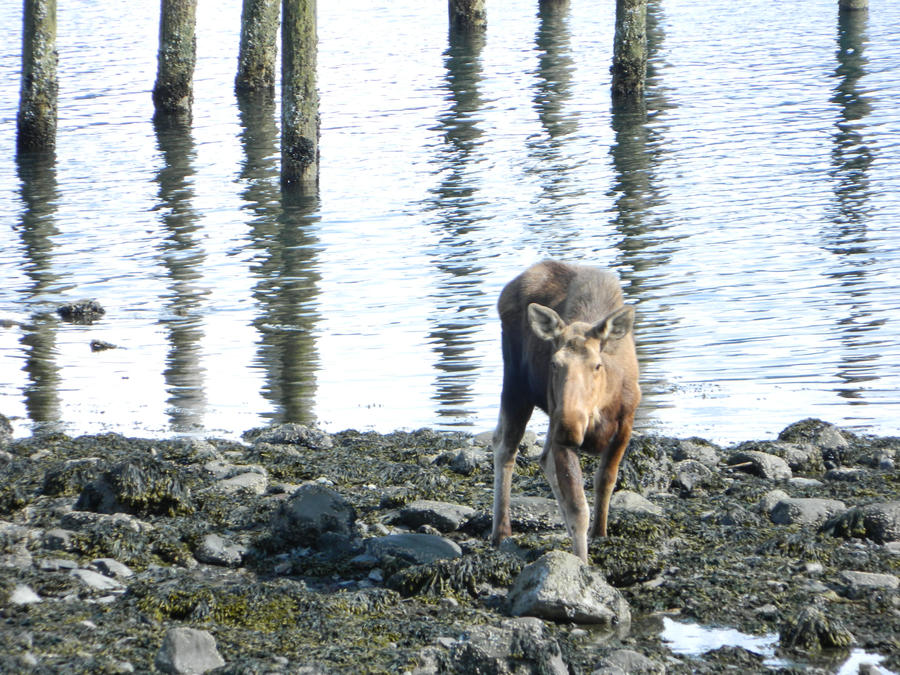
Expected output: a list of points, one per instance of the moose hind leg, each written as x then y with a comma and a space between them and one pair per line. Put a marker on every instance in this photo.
509, 431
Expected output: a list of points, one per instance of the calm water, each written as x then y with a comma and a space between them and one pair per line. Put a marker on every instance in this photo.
751, 208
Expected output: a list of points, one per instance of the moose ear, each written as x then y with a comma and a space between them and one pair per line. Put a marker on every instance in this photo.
615, 326
545, 323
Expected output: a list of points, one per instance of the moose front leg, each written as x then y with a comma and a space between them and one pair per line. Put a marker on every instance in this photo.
563, 471
605, 478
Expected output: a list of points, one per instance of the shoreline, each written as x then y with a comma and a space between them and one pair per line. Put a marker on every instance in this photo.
110, 542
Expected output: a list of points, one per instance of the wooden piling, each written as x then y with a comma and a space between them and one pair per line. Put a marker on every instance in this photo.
36, 121
853, 4
173, 93
299, 97
629, 66
467, 14
259, 37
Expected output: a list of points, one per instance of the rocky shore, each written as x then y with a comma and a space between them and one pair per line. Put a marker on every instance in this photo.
298, 551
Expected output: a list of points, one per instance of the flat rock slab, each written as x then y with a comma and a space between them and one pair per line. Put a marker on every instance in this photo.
560, 587
530, 514
805, 510
856, 585
443, 516
626, 500
187, 651
417, 549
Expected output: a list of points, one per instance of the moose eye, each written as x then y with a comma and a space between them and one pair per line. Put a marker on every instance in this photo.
598, 366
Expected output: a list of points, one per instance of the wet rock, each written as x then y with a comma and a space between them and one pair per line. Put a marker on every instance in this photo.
806, 511
187, 651
628, 662
878, 522
467, 461
82, 311
216, 550
560, 587
515, 647
102, 346
632, 502
830, 440
413, 548
764, 465
444, 516
469, 575
292, 434
310, 512
856, 585
846, 474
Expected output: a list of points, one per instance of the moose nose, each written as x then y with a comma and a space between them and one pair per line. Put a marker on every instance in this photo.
571, 430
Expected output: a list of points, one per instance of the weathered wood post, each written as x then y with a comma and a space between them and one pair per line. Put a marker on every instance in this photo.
853, 4
629, 65
299, 97
259, 37
467, 14
173, 93
36, 122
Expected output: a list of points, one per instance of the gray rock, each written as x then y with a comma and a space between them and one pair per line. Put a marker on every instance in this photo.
517, 646
698, 450
417, 549
764, 465
846, 474
96, 581
823, 435
187, 651
467, 461
856, 585
309, 513
444, 516
628, 662
57, 539
806, 511
690, 474
23, 594
560, 587
216, 550
112, 568
626, 500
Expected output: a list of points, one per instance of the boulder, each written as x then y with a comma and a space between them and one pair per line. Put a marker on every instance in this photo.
805, 510
762, 464
560, 587
856, 585
415, 549
879, 522
517, 646
628, 662
216, 550
626, 500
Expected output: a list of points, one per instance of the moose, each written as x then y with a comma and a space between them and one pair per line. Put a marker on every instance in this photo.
568, 348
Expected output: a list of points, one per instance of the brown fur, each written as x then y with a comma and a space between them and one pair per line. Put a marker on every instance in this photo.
574, 318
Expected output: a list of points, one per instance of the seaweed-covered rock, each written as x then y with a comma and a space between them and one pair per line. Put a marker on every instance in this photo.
560, 587
140, 485
878, 522
82, 311
647, 466
458, 577
312, 511
811, 629
831, 441
515, 647
291, 434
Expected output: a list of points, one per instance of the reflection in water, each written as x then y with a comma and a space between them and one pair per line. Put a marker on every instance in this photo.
644, 248
37, 173
846, 237
182, 256
461, 306
285, 266
551, 164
